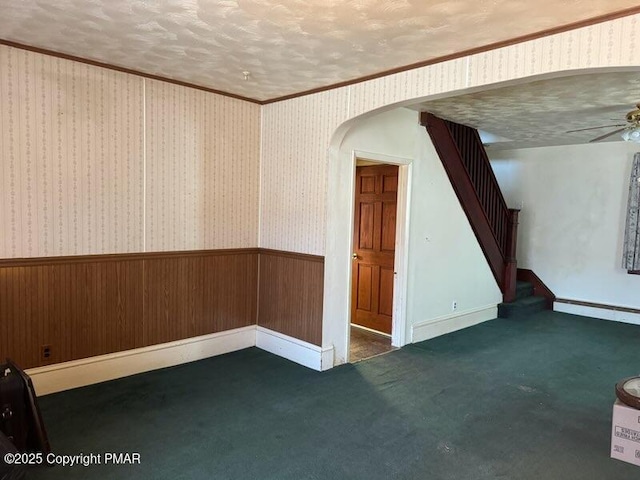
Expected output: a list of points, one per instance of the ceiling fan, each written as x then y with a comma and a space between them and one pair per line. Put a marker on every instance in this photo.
630, 130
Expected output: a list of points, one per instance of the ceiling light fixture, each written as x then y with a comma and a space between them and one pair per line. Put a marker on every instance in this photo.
632, 132
246, 74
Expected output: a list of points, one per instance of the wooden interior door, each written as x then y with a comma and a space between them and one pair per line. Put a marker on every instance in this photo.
374, 241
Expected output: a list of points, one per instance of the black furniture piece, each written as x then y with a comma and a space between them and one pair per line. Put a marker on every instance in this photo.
20, 417
9, 471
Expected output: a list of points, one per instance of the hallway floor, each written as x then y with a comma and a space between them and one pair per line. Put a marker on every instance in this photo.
366, 344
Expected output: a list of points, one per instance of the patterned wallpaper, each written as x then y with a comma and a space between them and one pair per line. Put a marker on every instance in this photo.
202, 169
297, 134
71, 154
77, 177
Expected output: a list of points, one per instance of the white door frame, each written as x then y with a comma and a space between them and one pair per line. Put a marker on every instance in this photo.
401, 259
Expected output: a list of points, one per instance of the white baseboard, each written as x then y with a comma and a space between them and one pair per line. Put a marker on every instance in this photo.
450, 323
602, 313
79, 373
295, 350
87, 371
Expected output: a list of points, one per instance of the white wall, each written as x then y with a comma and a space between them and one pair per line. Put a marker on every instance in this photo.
445, 262
301, 138
572, 222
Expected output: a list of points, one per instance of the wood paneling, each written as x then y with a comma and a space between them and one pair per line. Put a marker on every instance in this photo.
82, 306
191, 296
290, 294
92, 305
79, 309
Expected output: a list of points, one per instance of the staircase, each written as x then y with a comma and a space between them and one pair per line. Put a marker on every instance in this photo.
524, 304
494, 224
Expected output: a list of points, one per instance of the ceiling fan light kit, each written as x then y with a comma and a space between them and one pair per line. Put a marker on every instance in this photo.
631, 134
630, 131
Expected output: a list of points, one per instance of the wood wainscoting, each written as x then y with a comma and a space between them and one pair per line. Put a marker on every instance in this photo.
290, 294
84, 306
192, 295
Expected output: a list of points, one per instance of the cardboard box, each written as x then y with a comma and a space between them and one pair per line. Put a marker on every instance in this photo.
625, 433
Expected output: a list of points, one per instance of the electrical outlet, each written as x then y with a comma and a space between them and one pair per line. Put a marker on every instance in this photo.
45, 352
454, 305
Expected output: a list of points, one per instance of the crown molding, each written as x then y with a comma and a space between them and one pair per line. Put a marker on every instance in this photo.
432, 61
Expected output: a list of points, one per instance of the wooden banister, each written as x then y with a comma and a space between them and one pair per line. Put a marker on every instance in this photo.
494, 224
510, 263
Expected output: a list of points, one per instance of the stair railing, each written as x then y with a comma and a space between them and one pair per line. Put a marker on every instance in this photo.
494, 224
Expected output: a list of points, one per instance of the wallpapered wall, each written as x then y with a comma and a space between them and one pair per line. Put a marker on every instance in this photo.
296, 133
95, 161
295, 137
202, 169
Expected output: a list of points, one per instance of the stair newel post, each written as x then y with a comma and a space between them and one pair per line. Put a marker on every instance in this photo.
510, 264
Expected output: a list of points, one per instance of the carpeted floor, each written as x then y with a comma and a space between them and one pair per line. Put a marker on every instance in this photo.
525, 398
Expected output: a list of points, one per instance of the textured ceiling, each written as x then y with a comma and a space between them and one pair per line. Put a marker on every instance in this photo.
289, 46
540, 113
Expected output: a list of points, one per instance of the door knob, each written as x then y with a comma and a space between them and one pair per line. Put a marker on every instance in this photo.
354, 256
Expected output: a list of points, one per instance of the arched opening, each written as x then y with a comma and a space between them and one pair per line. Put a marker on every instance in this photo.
440, 242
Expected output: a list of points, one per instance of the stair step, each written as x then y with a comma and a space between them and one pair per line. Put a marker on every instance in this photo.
524, 289
522, 306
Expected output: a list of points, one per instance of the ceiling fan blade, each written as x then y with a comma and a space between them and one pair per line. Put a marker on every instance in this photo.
597, 139
594, 128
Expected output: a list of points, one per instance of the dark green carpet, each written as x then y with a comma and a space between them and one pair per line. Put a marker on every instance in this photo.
525, 398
